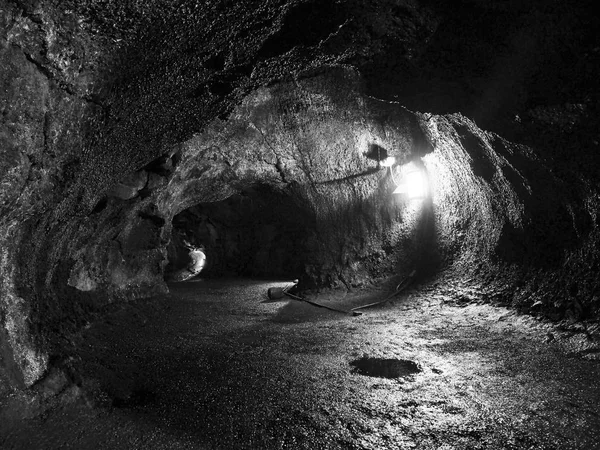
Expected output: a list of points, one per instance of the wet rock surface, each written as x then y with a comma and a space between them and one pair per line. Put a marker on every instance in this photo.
213, 366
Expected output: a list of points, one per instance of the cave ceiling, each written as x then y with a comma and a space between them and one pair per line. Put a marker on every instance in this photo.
146, 75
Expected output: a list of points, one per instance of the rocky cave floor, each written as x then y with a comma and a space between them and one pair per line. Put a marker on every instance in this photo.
212, 365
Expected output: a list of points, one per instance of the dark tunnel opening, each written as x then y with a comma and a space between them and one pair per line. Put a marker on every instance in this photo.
259, 232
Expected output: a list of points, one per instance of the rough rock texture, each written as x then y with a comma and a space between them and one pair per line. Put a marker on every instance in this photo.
310, 140
512, 225
45, 112
116, 117
94, 91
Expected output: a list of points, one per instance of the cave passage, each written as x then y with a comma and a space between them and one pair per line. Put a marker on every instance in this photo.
433, 165
260, 232
210, 365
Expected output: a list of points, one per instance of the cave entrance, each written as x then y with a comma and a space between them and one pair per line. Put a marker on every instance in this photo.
260, 232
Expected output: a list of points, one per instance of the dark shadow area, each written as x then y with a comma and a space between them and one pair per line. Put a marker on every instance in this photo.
429, 261
259, 232
296, 311
204, 366
304, 24
376, 153
385, 368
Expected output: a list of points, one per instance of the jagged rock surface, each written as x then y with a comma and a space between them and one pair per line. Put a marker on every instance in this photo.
116, 117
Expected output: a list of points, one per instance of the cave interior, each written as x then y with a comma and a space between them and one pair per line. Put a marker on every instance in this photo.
259, 232
417, 180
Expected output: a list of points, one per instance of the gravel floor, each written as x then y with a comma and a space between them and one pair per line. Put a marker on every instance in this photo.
214, 366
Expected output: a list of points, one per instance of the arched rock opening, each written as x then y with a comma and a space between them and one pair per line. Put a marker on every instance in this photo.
259, 232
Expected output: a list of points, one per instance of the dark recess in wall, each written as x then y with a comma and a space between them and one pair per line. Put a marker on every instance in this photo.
259, 232
305, 24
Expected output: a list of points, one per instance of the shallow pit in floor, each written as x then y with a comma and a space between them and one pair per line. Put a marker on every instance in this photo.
385, 368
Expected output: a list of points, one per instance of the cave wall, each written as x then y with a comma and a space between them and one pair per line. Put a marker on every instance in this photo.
311, 138
512, 227
46, 74
62, 259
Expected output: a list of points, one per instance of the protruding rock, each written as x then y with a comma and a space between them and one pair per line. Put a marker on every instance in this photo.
130, 186
80, 278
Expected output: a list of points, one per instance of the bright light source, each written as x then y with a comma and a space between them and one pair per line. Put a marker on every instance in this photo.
387, 162
413, 183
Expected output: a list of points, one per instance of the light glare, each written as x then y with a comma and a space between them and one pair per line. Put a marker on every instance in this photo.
388, 162
413, 184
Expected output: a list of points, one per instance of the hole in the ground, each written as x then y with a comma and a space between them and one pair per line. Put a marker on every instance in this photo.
385, 368
260, 232
139, 397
